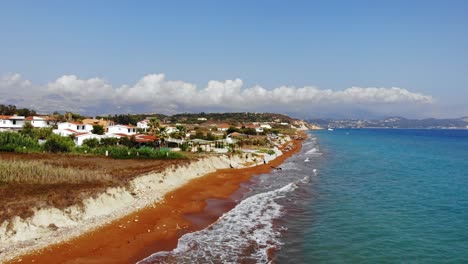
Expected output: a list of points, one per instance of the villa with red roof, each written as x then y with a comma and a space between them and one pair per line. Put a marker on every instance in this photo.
12, 122
38, 121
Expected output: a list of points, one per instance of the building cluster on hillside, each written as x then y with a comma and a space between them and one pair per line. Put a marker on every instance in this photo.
193, 135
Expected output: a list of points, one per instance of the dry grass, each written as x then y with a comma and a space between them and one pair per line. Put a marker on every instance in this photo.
36, 180
37, 172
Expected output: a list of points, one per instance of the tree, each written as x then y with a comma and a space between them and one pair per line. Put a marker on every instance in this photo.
42, 133
154, 124
27, 129
56, 143
7, 109
109, 141
25, 112
210, 136
91, 142
181, 129
232, 130
177, 135
249, 131
199, 134
98, 130
162, 131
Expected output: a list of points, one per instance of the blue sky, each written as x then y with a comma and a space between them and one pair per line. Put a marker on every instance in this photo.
419, 46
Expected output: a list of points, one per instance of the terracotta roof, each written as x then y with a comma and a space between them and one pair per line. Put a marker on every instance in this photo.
145, 138
81, 134
223, 126
29, 118
5, 117
70, 130
16, 117
236, 134
120, 134
148, 137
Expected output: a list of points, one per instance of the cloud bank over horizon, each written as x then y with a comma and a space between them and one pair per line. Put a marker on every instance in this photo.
154, 93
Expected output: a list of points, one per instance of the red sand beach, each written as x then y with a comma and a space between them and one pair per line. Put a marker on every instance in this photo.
158, 228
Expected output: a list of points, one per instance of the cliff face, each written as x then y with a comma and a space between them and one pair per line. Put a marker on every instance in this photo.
303, 125
49, 225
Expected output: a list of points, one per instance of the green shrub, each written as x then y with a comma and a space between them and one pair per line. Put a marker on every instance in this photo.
145, 153
109, 141
42, 133
184, 147
11, 141
27, 129
83, 150
121, 152
98, 130
268, 151
56, 143
165, 153
91, 142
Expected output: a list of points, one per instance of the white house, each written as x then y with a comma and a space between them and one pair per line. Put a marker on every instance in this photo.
75, 126
37, 121
257, 128
72, 128
11, 122
122, 129
169, 130
143, 125
202, 119
265, 126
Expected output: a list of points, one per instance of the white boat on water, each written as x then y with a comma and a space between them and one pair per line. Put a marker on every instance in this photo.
330, 129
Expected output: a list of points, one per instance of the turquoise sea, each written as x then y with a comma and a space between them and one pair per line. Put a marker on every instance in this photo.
383, 196
350, 196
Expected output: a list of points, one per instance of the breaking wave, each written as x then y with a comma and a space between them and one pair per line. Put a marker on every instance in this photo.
313, 151
245, 234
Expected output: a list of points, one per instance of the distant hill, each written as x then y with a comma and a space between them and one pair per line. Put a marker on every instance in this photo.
393, 122
243, 117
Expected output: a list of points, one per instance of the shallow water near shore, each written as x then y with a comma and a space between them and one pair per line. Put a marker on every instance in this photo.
349, 196
250, 232
383, 196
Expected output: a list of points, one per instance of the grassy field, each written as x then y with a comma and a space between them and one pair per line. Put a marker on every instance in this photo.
32, 180
39, 172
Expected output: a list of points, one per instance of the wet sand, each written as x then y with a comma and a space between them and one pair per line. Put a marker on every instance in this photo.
132, 238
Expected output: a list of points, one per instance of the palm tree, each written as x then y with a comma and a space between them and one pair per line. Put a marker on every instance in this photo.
162, 131
154, 124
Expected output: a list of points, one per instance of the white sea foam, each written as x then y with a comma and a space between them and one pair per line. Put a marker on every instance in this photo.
289, 166
244, 234
313, 151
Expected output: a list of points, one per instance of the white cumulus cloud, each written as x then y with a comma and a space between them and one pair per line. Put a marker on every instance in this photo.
155, 93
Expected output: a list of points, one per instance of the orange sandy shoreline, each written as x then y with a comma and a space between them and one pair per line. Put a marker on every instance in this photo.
156, 228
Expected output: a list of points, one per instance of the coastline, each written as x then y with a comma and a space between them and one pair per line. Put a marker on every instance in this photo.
142, 231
